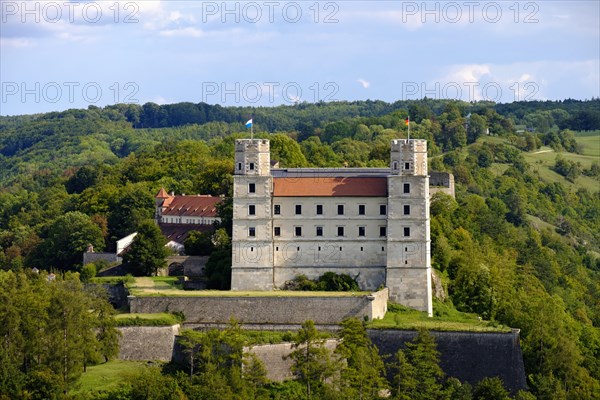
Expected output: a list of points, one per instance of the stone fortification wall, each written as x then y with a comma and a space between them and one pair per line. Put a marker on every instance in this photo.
147, 343
468, 356
266, 310
441, 182
275, 358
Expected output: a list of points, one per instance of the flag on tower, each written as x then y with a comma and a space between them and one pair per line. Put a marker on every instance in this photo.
249, 123
407, 121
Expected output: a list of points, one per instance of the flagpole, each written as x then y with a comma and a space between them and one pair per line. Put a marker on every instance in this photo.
408, 124
252, 131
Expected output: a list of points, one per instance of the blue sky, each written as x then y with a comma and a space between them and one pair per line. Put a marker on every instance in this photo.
57, 55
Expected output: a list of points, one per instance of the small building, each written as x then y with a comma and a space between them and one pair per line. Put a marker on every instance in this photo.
195, 210
177, 216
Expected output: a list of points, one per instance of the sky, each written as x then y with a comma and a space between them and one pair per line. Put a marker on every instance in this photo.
56, 55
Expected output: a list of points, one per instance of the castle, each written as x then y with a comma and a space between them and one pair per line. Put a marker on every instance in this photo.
372, 223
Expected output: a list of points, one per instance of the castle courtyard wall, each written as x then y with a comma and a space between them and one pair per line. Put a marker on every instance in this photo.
283, 310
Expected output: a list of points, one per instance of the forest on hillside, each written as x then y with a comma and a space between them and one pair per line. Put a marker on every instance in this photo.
520, 244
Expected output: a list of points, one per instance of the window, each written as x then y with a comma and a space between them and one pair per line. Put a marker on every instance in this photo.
361, 209
277, 209
252, 231
277, 231
251, 209
406, 209
319, 209
382, 231
298, 209
407, 188
406, 231
319, 231
340, 231
298, 231
382, 209
252, 188
340, 209
395, 165
406, 165
361, 231
251, 166
239, 166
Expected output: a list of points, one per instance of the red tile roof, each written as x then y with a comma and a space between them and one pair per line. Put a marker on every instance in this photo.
327, 187
162, 194
180, 232
192, 206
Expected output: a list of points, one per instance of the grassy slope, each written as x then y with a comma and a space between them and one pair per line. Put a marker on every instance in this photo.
544, 158
106, 376
445, 319
157, 319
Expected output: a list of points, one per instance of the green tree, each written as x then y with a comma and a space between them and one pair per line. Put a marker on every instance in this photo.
476, 127
405, 379
133, 205
312, 361
287, 151
490, 389
147, 252
255, 372
198, 244
363, 376
471, 290
66, 239
419, 375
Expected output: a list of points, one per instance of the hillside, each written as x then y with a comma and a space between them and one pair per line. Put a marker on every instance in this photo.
518, 246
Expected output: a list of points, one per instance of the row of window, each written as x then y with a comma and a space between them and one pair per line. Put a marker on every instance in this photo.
250, 166
319, 209
252, 186
341, 230
406, 165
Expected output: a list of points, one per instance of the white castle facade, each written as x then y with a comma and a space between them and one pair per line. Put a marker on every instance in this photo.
370, 223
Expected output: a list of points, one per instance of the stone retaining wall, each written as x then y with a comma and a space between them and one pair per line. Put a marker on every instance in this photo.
147, 343
266, 310
467, 356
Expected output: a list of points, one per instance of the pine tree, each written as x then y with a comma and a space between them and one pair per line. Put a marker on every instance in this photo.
363, 377
423, 354
312, 360
418, 373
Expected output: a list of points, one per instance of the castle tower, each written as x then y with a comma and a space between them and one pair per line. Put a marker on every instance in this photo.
252, 265
408, 268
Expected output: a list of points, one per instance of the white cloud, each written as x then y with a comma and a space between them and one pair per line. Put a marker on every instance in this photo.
468, 73
365, 84
160, 100
15, 42
519, 81
183, 32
